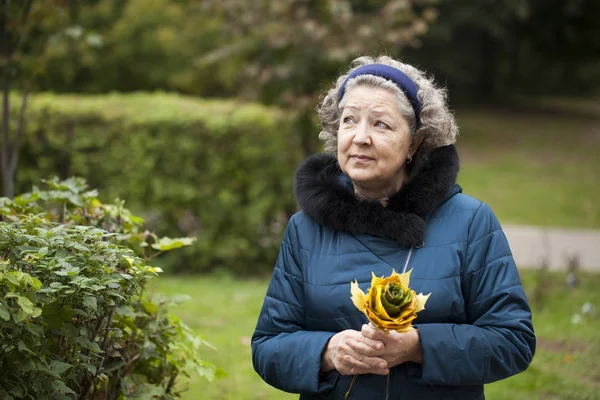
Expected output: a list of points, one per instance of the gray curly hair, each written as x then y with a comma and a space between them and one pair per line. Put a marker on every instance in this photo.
438, 126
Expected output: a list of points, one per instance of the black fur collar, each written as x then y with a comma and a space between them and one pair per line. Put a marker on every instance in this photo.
321, 193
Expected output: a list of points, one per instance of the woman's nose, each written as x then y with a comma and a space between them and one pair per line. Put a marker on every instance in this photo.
361, 135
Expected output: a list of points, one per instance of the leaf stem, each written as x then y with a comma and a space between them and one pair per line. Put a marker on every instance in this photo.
351, 386
387, 388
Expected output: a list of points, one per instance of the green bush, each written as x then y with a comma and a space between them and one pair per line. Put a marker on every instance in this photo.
218, 170
74, 321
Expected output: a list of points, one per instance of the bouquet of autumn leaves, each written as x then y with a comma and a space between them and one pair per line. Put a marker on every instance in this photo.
389, 304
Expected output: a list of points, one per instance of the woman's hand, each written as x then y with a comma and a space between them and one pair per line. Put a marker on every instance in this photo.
340, 355
398, 348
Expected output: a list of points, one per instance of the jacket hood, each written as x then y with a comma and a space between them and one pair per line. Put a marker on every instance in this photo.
326, 194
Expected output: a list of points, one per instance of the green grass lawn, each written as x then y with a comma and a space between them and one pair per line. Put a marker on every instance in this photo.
532, 168
223, 310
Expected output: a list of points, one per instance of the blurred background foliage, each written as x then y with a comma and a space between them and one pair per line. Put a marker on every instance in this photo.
196, 112
280, 52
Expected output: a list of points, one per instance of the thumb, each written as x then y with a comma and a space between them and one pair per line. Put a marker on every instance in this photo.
394, 335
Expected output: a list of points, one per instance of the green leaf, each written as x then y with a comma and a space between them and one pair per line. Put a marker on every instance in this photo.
27, 365
30, 280
112, 293
153, 270
88, 344
25, 304
91, 368
125, 311
90, 302
47, 290
36, 330
36, 312
150, 307
136, 220
147, 391
59, 366
114, 365
81, 248
21, 316
23, 347
35, 283
206, 370
130, 260
220, 373
61, 387
12, 278
148, 350
166, 244
4, 313
17, 391
55, 315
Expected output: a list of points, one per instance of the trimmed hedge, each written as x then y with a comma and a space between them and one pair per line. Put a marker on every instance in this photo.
219, 170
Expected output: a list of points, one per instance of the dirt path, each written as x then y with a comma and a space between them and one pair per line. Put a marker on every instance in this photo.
530, 245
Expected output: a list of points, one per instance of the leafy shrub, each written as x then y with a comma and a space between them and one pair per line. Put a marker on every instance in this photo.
218, 170
74, 319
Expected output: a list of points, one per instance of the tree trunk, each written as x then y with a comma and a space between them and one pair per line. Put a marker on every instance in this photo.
7, 177
10, 149
8, 184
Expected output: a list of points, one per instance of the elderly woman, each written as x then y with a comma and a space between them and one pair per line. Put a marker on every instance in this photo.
385, 197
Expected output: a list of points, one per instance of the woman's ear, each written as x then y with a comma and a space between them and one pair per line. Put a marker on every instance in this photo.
416, 141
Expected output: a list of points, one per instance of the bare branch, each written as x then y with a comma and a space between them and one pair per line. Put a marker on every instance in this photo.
104, 348
26, 11
22, 39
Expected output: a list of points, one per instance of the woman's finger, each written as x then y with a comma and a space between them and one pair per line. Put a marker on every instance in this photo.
366, 346
379, 371
370, 332
363, 364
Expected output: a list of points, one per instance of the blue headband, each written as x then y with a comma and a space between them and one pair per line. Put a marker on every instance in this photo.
409, 88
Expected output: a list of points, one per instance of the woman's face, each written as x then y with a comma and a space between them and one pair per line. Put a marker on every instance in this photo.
374, 140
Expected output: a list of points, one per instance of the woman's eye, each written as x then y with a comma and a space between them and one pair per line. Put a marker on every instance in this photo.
348, 120
382, 125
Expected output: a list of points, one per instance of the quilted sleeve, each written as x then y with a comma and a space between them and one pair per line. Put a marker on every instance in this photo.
498, 340
284, 354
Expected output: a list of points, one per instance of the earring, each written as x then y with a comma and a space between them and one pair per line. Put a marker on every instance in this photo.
408, 160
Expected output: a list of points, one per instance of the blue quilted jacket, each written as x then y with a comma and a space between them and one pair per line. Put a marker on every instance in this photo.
476, 327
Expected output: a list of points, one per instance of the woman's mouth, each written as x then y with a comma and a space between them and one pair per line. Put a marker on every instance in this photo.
361, 158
